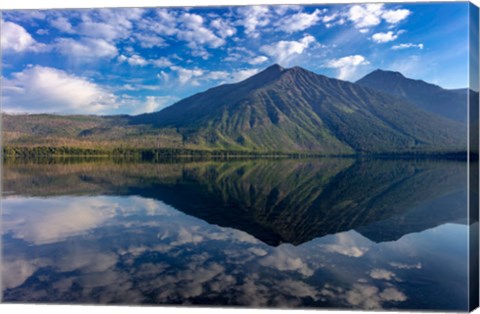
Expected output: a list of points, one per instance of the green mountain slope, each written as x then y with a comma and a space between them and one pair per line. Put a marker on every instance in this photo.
447, 103
297, 110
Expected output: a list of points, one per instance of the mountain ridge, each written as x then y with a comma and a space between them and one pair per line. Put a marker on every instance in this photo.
449, 103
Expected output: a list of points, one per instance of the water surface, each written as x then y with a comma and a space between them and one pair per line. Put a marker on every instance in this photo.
328, 233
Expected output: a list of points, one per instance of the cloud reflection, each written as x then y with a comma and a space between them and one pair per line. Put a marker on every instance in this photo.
131, 250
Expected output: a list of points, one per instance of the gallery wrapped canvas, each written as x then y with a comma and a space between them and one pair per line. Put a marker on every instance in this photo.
317, 156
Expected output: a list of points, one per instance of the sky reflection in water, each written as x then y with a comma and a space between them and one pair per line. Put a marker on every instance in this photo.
72, 234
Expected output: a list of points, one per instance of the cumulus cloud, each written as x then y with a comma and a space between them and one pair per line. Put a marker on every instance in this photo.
62, 24
365, 16
347, 65
134, 60
384, 37
284, 51
188, 75
188, 27
14, 38
223, 28
161, 62
149, 41
109, 24
86, 49
299, 21
407, 46
258, 60
101, 30
44, 89
253, 18
138, 60
196, 34
395, 16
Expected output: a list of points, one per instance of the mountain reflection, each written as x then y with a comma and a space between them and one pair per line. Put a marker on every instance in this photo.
287, 201
330, 233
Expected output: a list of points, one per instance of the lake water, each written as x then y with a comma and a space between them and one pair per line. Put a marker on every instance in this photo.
327, 233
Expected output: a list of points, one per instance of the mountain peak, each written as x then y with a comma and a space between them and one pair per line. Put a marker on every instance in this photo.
429, 97
275, 67
386, 73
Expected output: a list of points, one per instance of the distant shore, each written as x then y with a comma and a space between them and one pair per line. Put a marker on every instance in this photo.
152, 154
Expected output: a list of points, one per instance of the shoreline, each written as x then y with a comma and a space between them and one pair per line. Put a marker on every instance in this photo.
152, 154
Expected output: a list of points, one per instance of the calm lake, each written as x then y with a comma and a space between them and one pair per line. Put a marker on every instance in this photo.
327, 233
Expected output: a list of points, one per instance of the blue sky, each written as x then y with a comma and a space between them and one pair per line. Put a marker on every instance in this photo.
130, 61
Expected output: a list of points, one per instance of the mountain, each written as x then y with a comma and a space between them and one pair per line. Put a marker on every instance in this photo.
297, 110
451, 104
281, 110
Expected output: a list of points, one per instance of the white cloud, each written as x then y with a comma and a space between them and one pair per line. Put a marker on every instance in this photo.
347, 65
284, 8
134, 60
284, 51
150, 41
109, 24
61, 23
224, 29
161, 62
218, 75
188, 75
14, 38
395, 16
254, 17
407, 45
86, 49
365, 16
384, 37
196, 34
165, 23
104, 31
43, 89
299, 21
137, 60
258, 60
